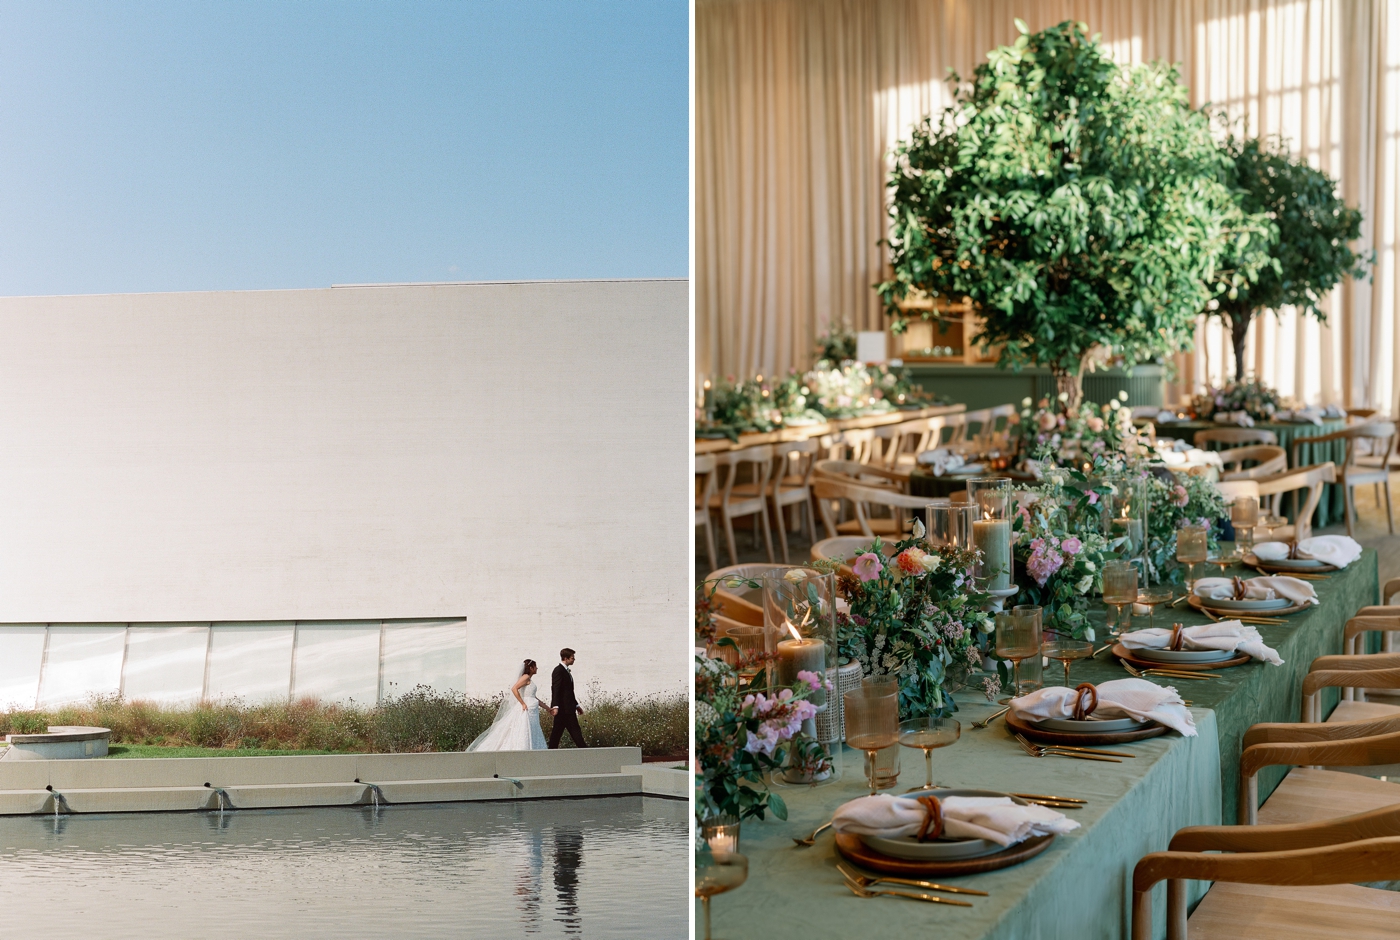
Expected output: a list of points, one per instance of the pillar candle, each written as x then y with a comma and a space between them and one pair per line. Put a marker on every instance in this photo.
795, 656
1132, 528
993, 538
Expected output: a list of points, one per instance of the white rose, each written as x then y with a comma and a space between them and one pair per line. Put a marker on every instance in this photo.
930, 562
1089, 634
1115, 404
1064, 396
1026, 402
1088, 566
1084, 584
918, 529
796, 574
1122, 396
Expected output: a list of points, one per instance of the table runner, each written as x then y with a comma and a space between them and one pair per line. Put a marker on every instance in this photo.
1081, 887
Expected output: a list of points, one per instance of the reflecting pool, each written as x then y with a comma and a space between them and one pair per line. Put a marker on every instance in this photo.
598, 867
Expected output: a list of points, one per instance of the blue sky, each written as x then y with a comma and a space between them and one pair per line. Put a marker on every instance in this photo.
210, 146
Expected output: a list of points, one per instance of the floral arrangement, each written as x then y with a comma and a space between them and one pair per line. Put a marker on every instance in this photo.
915, 616
1250, 395
1176, 500
1049, 435
742, 735
756, 404
1059, 542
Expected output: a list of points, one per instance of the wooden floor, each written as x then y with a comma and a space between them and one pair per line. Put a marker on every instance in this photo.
1370, 530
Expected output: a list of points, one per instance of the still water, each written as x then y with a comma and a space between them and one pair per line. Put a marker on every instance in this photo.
604, 867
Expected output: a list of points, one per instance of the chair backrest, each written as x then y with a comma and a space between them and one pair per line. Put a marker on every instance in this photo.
857, 444
1312, 478
794, 459
1354, 437
759, 458
742, 603
1233, 437
885, 446
957, 425
1232, 488
827, 489
848, 471
845, 547
1268, 459
704, 485
1392, 587
982, 418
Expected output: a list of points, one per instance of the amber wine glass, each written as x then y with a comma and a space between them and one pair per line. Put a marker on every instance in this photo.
716, 873
1120, 591
1018, 638
872, 724
928, 734
1066, 649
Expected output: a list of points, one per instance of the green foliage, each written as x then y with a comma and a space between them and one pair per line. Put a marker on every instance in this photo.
837, 346
1260, 401
1178, 499
1083, 206
1316, 227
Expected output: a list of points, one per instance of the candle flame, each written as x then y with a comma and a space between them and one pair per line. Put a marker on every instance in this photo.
793, 630
1126, 507
986, 515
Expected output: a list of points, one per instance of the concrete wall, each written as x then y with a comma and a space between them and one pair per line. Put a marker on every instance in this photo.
513, 456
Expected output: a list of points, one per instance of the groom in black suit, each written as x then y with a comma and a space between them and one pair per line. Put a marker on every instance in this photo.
562, 704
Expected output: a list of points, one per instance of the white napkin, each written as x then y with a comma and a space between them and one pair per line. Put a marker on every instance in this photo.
994, 818
1258, 589
1118, 698
1299, 416
941, 460
1338, 550
1226, 635
1241, 418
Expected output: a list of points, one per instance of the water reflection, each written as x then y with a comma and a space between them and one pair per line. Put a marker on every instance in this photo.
617, 867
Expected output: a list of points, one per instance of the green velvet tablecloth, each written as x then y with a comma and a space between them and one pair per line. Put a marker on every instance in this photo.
1333, 504
1079, 888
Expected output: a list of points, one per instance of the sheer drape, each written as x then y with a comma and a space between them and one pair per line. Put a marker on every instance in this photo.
799, 101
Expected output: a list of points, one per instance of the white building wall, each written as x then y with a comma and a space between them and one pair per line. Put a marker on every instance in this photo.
511, 456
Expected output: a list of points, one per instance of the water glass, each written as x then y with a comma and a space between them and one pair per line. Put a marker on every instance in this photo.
872, 724
1192, 543
716, 873
1120, 591
1018, 638
1244, 516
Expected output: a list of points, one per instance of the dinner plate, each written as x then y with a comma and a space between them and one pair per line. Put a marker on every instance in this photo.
1293, 562
1275, 603
1184, 656
939, 849
1091, 726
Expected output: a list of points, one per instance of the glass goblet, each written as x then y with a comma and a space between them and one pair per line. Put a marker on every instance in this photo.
1066, 649
928, 734
1120, 591
1244, 516
1153, 599
1018, 638
716, 873
872, 724
1191, 550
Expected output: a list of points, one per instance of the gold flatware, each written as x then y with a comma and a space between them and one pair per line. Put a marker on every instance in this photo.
1047, 796
1035, 750
1071, 747
866, 881
1054, 805
912, 895
1168, 674
991, 718
1245, 618
813, 837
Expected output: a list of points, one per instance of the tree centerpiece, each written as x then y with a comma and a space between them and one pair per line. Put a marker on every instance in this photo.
1083, 206
1312, 253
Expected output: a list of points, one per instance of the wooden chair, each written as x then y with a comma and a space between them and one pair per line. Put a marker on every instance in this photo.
957, 432
736, 500
1311, 478
1267, 459
705, 474
793, 465
844, 549
999, 423
856, 445
974, 440
1233, 437
1352, 473
864, 474
861, 498
1313, 866
908, 440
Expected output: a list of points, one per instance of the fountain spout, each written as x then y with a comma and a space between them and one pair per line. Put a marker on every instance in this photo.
222, 795
58, 801
376, 794
518, 784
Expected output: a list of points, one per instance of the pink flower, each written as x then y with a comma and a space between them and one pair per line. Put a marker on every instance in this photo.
1093, 497
1096, 424
809, 677
1179, 496
1047, 421
1043, 563
868, 567
1071, 546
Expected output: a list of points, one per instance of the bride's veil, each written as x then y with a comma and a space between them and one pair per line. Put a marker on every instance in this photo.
508, 704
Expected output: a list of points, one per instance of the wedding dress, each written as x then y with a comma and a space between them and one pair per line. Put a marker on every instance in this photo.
515, 729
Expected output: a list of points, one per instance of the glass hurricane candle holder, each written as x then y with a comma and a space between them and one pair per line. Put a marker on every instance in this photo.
1125, 515
799, 622
991, 530
950, 524
721, 833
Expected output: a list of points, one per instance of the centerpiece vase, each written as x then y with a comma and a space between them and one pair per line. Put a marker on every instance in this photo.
799, 623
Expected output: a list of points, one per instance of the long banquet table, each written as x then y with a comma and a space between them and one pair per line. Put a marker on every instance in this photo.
801, 432
1080, 887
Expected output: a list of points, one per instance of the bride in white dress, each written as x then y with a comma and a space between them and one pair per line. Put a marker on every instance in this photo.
517, 724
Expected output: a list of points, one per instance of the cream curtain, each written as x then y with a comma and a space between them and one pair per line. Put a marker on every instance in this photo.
798, 103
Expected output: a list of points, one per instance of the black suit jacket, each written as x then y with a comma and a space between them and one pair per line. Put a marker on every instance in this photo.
562, 692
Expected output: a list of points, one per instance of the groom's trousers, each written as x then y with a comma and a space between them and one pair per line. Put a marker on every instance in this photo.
566, 721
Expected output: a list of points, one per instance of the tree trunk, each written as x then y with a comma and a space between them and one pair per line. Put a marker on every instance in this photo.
1069, 384
1239, 318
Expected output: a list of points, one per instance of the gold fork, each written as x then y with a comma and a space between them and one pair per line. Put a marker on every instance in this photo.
991, 718
1071, 747
1036, 751
813, 837
866, 881
913, 895
1161, 673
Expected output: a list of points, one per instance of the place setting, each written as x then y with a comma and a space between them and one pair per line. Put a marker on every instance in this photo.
1310, 558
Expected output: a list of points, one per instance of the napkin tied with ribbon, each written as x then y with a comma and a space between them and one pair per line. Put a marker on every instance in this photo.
1118, 698
1229, 635
994, 818
942, 461
1337, 550
1258, 589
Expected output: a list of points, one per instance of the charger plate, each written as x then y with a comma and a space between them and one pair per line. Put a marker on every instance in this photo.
938, 849
1200, 604
1080, 739
1269, 567
1176, 657
850, 845
1123, 653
